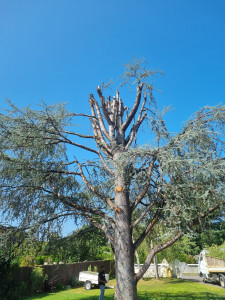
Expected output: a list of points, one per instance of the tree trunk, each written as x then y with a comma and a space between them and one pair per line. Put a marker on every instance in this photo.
156, 267
155, 261
126, 287
138, 260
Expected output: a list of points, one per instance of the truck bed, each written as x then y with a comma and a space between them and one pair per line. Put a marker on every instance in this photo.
215, 265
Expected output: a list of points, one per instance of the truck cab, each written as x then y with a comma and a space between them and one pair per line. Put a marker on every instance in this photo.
202, 265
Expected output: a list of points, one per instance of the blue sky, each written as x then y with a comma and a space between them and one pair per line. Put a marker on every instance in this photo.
60, 50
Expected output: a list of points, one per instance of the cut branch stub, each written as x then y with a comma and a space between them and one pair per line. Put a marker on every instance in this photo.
119, 189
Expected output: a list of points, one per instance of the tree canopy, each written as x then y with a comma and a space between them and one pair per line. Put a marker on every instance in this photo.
175, 181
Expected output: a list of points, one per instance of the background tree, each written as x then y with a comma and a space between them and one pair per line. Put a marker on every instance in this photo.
86, 243
176, 180
212, 233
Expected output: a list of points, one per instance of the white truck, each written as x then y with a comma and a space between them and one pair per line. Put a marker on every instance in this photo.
90, 278
211, 269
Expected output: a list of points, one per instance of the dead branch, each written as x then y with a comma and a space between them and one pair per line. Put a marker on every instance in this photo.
134, 109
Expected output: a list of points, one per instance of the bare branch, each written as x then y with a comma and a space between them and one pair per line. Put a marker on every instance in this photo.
81, 146
68, 141
149, 227
99, 139
93, 103
83, 209
107, 168
205, 214
134, 131
104, 108
146, 186
135, 127
134, 109
104, 228
77, 134
62, 172
100, 195
83, 115
149, 207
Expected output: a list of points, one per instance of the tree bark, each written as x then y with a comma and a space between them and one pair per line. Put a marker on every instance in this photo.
126, 286
156, 267
155, 263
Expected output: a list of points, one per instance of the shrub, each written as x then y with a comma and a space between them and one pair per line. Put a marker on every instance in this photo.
95, 269
40, 260
60, 286
27, 261
37, 279
74, 282
89, 268
18, 290
9, 288
217, 251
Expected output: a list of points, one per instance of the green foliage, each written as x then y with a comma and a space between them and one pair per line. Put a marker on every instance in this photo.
37, 279
27, 261
95, 269
89, 268
211, 232
17, 291
40, 260
181, 250
176, 252
86, 243
74, 282
217, 251
26, 162
9, 287
60, 287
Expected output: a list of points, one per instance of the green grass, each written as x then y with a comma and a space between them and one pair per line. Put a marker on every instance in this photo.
163, 289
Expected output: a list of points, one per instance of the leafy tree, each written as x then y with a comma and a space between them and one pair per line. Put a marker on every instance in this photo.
217, 251
176, 180
86, 243
212, 233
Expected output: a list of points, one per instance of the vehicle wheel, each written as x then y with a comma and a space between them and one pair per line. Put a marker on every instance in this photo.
87, 285
222, 280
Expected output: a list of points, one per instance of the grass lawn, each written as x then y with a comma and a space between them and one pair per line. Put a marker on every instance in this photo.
162, 289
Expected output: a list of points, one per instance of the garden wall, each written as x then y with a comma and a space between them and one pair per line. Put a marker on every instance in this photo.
64, 273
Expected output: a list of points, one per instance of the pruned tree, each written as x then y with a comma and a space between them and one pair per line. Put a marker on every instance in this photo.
177, 180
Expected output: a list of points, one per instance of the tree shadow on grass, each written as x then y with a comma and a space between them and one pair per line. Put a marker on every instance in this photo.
181, 296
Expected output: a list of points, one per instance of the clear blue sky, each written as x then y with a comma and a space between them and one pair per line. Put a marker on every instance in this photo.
60, 50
